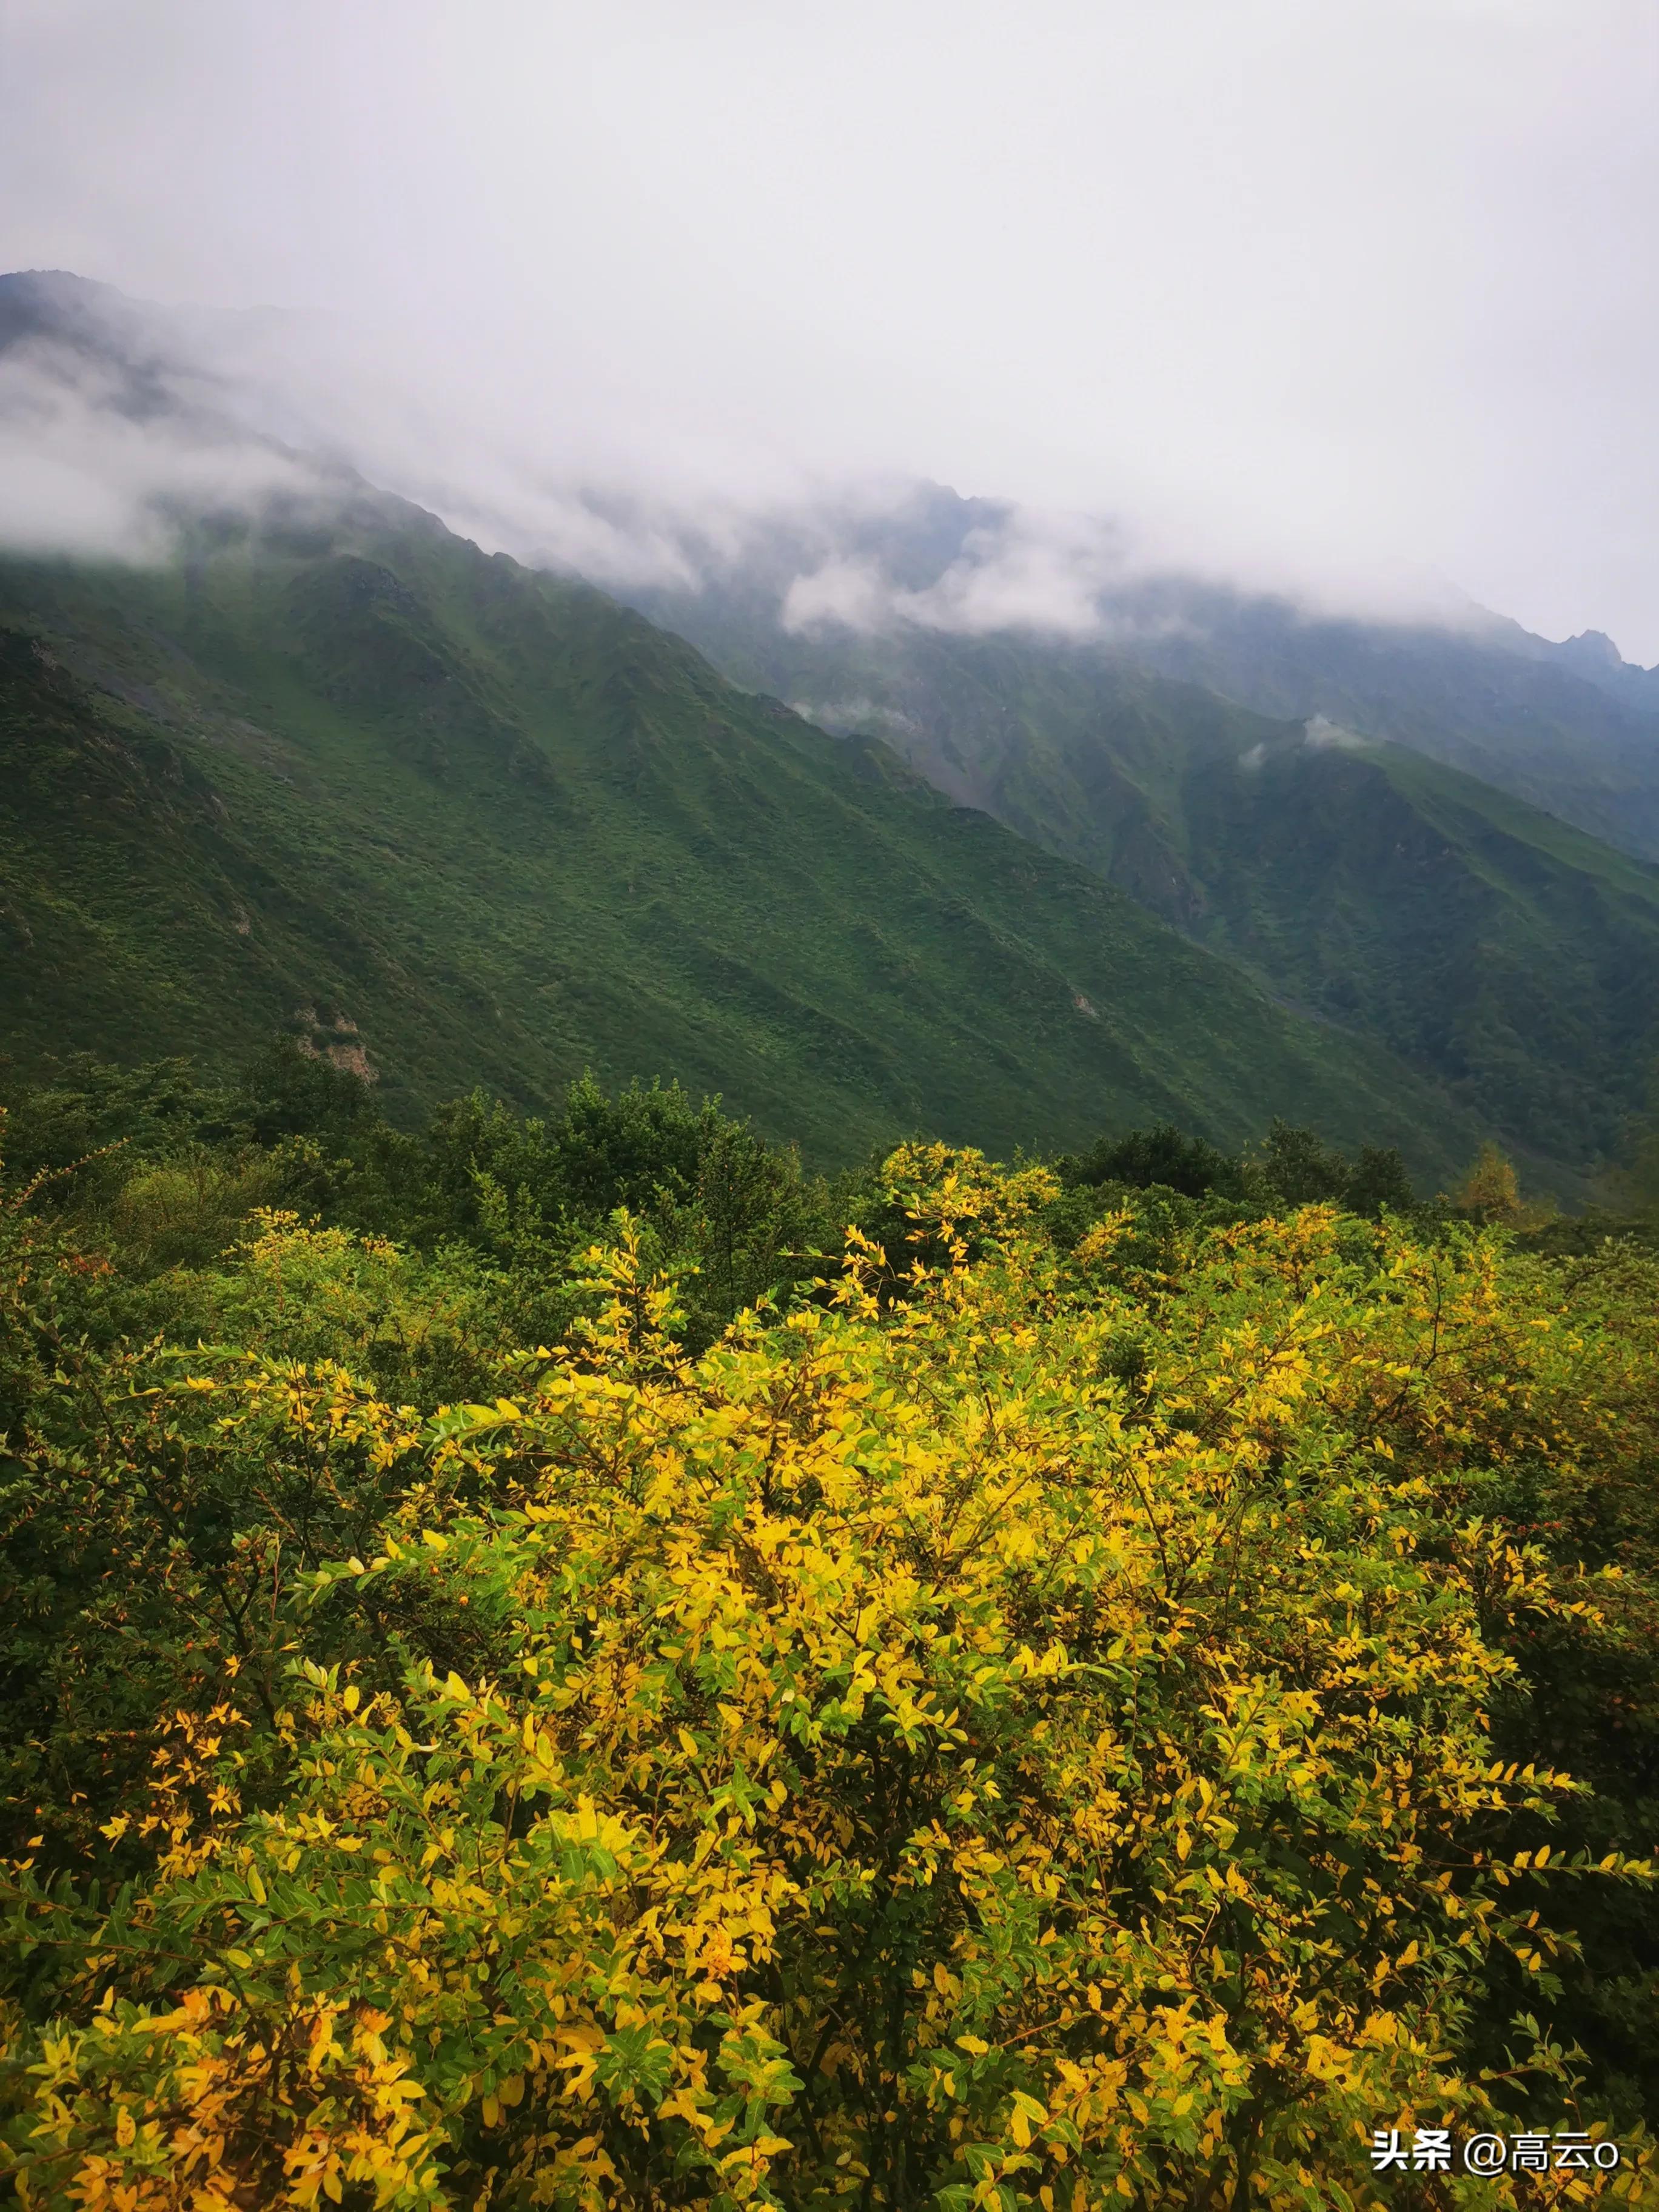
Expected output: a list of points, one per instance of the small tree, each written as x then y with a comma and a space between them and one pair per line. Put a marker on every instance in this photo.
1490, 1192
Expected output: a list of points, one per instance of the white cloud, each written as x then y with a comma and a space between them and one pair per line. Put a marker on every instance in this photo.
1320, 734
846, 715
1036, 572
851, 592
1029, 570
1297, 292
1082, 577
80, 477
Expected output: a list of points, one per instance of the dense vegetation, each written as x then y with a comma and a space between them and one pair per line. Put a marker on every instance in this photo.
471, 824
1569, 729
332, 764
1032, 1685
1486, 943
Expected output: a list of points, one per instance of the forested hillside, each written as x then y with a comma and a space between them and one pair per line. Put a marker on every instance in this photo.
329, 767
474, 824
1570, 728
1489, 944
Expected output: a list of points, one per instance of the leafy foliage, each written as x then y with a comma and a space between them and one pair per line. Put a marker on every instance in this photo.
1063, 1704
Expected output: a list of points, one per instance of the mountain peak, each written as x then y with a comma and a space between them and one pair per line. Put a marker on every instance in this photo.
1593, 654
77, 312
46, 293
1595, 645
54, 280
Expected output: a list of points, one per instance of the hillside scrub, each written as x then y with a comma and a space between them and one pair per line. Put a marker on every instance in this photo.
472, 824
1065, 1706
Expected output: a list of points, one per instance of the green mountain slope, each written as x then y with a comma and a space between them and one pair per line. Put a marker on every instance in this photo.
480, 825
1529, 717
1571, 728
1512, 957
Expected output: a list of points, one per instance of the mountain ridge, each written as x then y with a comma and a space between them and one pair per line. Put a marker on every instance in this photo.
1490, 943
330, 639
1564, 727
506, 829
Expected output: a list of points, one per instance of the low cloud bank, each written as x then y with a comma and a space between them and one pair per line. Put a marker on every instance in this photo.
1081, 578
1029, 571
117, 418
82, 475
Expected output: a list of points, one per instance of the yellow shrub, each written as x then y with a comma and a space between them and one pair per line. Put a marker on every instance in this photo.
915, 1765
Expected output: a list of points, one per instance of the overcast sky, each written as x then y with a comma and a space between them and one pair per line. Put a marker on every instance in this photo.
1315, 288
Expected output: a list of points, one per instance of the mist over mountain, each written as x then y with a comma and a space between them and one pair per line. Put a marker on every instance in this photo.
450, 822
1571, 728
1369, 877
1313, 795
875, 547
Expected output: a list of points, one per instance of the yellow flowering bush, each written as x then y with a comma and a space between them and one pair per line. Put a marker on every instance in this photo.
1015, 1734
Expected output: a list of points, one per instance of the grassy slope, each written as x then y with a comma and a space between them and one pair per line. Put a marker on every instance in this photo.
508, 829
1525, 721
1513, 957
1568, 729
